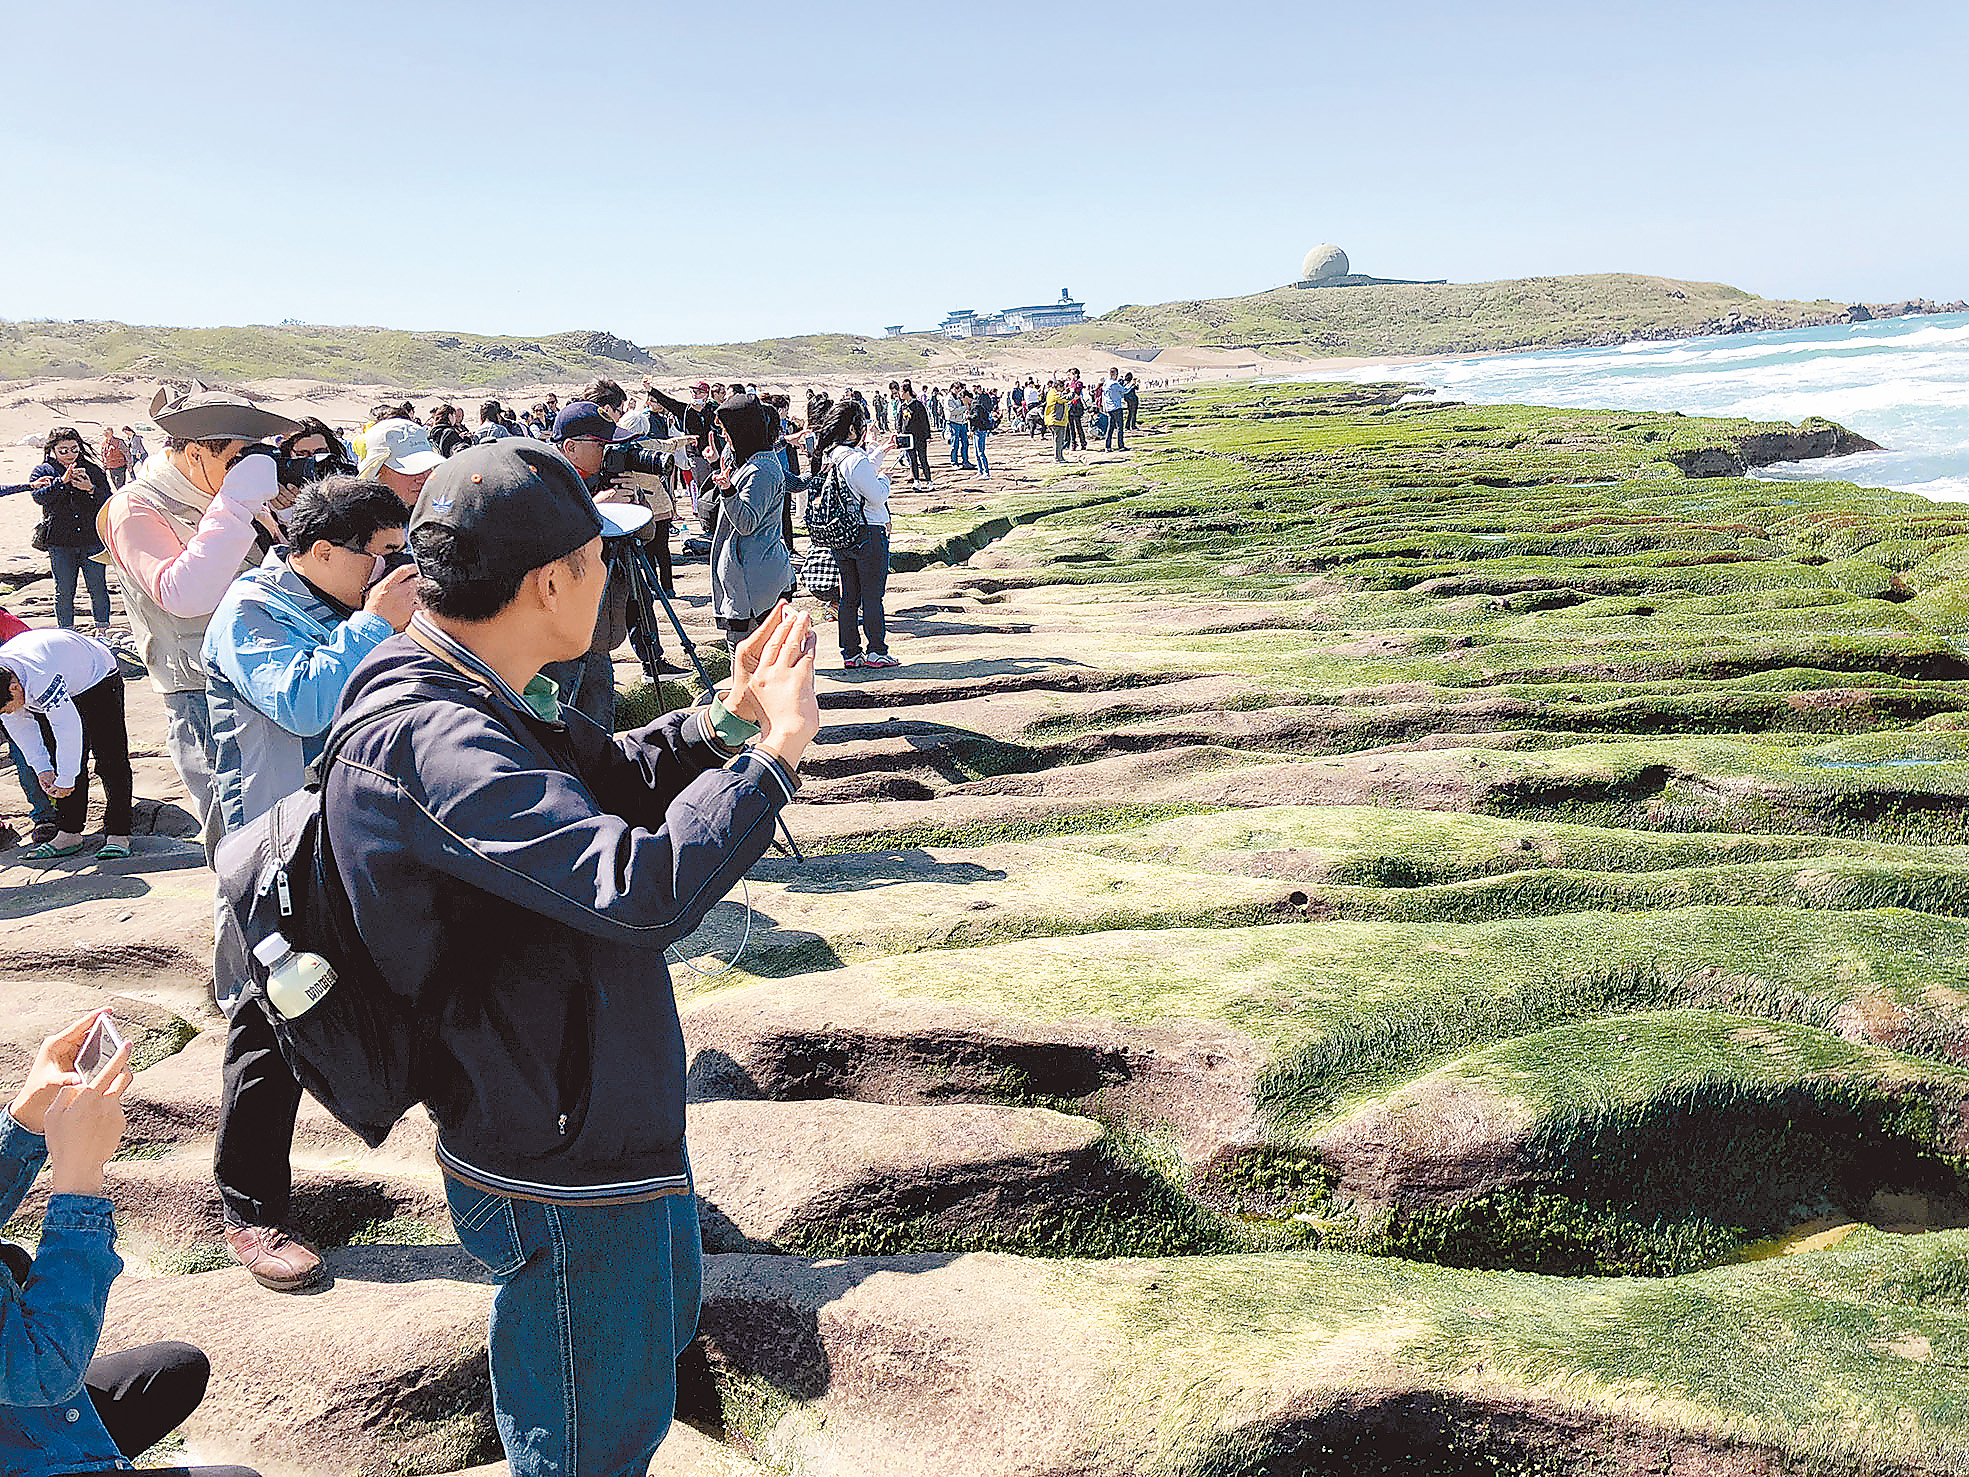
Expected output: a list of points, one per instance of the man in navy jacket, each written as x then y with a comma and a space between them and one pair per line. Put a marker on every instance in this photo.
517, 874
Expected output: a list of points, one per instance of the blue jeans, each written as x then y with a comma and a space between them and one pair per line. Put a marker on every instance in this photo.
68, 563
1116, 431
960, 444
595, 1303
977, 444
38, 803
864, 581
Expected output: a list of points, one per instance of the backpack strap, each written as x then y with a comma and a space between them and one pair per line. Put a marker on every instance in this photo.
347, 728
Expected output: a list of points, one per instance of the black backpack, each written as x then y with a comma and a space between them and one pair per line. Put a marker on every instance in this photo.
833, 511
356, 1052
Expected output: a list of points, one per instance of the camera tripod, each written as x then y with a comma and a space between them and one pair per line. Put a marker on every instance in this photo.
645, 594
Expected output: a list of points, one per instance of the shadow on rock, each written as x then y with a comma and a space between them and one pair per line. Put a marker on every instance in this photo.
760, 1326
856, 872
735, 934
65, 884
404, 1263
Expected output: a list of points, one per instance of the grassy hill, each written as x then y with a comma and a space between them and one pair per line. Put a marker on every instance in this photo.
1446, 318
390, 356
1420, 319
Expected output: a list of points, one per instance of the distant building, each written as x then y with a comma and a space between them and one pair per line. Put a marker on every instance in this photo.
969, 323
893, 330
1327, 266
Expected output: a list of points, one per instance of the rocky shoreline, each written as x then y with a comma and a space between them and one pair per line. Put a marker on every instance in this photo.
1355, 931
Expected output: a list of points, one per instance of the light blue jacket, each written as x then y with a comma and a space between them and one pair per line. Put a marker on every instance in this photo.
49, 1329
276, 660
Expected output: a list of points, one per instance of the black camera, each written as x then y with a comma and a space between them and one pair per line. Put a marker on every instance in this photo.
299, 471
629, 456
392, 562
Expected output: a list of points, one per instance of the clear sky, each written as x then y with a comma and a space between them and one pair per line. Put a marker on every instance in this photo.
714, 172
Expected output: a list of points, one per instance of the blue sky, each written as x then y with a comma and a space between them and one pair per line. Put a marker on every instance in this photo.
713, 172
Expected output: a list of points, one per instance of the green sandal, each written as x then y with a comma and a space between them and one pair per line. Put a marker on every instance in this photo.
113, 851
47, 851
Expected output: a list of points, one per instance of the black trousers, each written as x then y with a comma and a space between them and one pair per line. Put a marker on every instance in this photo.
1117, 431
257, 1105
660, 541
104, 735
1077, 424
864, 581
144, 1394
919, 460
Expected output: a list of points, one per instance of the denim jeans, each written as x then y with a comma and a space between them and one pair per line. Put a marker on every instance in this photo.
595, 1303
978, 445
960, 444
38, 803
67, 564
864, 581
1116, 431
188, 740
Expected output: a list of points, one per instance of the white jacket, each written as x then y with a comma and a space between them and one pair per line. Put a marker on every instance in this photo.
865, 478
52, 667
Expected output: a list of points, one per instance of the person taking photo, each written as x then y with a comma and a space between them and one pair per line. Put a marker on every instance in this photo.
179, 535
516, 874
72, 491
64, 1408
281, 647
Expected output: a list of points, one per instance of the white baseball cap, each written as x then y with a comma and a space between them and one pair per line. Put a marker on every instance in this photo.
399, 445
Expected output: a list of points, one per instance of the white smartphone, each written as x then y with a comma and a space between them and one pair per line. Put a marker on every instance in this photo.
99, 1049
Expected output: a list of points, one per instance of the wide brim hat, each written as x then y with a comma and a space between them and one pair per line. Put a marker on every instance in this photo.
213, 415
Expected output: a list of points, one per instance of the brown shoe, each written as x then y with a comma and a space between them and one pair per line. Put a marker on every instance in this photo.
276, 1260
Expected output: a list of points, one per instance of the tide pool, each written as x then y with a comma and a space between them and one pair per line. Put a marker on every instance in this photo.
1902, 382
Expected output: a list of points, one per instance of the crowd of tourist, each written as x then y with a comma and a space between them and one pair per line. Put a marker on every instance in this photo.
265, 565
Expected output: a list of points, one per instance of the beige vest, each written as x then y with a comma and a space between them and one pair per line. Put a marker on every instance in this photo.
171, 644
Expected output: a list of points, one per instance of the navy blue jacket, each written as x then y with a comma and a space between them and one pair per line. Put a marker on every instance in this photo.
518, 880
71, 515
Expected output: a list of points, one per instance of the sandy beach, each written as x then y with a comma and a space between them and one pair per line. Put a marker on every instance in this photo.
29, 409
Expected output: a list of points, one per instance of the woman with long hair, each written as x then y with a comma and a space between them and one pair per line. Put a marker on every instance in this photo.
76, 489
865, 564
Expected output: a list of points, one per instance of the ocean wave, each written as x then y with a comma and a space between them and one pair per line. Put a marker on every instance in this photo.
1901, 382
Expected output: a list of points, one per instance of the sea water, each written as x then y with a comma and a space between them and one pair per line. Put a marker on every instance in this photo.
1902, 382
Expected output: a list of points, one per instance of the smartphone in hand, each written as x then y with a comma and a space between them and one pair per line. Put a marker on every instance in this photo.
98, 1050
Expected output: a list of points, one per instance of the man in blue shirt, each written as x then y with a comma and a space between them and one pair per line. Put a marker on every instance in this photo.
282, 645
1114, 400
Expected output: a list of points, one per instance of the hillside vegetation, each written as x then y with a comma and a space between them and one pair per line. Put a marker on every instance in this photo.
1453, 318
391, 356
1422, 319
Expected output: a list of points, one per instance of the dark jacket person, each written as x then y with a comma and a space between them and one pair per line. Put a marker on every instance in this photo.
517, 874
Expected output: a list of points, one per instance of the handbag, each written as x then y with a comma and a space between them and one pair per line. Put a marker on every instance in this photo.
820, 574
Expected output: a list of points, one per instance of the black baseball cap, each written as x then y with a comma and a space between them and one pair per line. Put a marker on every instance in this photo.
584, 418
508, 506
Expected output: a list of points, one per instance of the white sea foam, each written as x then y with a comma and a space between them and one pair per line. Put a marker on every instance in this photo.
1902, 382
